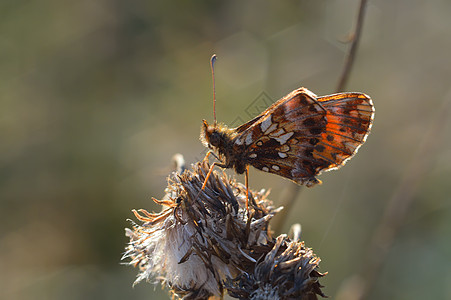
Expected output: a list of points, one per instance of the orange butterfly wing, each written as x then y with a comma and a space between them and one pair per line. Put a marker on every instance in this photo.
302, 135
349, 120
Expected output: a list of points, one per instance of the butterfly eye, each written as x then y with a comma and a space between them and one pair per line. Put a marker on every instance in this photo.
215, 139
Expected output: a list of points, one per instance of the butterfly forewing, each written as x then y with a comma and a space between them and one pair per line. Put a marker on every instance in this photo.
302, 135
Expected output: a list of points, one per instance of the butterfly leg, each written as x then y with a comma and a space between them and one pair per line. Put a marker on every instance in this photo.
208, 175
210, 152
246, 180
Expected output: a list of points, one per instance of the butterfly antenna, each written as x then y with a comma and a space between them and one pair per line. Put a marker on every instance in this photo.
212, 65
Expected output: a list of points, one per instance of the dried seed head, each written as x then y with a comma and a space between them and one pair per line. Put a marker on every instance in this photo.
288, 271
202, 237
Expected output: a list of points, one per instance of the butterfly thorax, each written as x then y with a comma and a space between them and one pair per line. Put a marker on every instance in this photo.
220, 139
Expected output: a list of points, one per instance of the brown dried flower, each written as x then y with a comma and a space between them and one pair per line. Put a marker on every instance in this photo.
288, 271
204, 238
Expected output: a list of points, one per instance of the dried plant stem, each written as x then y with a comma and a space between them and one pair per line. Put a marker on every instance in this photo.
292, 193
350, 57
288, 200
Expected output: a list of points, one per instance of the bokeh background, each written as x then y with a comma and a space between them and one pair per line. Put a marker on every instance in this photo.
96, 97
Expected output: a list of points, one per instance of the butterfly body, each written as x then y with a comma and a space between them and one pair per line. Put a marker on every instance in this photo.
297, 137
221, 140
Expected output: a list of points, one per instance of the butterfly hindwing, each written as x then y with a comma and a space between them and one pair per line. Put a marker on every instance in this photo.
349, 120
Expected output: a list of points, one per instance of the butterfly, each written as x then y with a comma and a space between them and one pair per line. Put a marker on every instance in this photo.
298, 137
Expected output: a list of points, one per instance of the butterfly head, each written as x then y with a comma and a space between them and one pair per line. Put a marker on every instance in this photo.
210, 135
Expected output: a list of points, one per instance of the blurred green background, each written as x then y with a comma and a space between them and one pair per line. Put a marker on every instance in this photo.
96, 97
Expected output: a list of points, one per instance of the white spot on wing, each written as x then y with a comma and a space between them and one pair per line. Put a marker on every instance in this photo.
253, 155
248, 140
266, 123
284, 138
271, 128
277, 168
239, 141
265, 169
282, 155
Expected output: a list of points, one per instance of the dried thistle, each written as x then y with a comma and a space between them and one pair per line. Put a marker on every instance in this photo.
288, 271
204, 238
